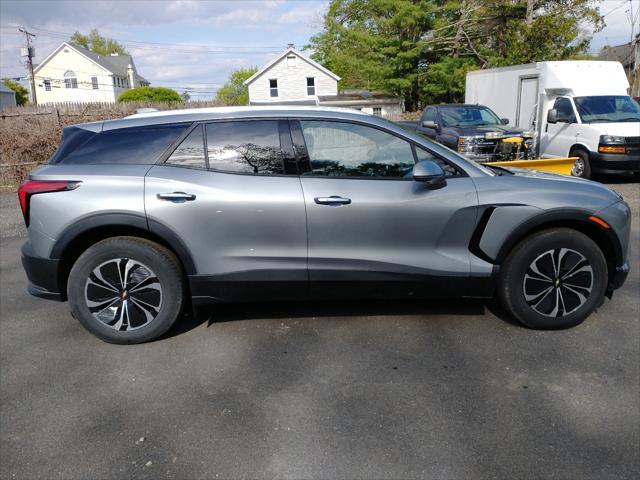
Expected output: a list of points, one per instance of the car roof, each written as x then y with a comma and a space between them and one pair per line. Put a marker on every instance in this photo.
223, 113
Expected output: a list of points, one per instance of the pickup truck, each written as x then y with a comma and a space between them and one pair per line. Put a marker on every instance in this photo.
474, 131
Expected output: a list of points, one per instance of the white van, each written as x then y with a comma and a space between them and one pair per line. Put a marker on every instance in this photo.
576, 108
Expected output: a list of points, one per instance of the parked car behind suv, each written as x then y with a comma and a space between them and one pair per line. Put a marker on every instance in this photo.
134, 220
474, 131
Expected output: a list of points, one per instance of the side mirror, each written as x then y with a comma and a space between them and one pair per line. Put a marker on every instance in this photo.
552, 116
504, 121
429, 124
430, 173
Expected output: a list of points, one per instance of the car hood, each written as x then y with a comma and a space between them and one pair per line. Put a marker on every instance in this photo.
566, 182
622, 129
505, 130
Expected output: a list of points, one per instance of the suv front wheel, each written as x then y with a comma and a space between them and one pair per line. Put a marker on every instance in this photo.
126, 290
553, 279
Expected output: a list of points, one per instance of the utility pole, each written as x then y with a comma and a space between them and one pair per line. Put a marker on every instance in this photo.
30, 55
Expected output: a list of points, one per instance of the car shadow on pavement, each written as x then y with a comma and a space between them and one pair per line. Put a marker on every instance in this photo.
616, 179
230, 312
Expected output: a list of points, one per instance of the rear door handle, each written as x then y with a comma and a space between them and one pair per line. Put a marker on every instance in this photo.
177, 197
333, 200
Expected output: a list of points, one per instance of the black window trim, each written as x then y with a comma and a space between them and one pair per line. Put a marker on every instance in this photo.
294, 123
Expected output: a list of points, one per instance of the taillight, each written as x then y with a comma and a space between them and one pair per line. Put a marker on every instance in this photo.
32, 187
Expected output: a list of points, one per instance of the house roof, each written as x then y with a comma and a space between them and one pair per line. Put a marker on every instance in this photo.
116, 64
284, 54
5, 89
625, 54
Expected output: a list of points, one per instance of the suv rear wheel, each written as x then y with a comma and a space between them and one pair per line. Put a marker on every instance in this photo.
126, 290
553, 279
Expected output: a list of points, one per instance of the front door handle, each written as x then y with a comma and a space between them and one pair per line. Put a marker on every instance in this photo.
177, 197
333, 200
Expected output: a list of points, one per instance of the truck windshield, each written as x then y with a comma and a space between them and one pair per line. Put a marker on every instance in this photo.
468, 116
607, 108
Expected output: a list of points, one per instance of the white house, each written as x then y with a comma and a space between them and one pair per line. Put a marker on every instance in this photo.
295, 79
291, 78
74, 74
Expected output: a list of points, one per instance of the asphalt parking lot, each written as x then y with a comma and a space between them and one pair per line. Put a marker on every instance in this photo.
320, 390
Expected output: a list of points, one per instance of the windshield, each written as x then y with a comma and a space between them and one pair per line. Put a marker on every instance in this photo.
463, 116
608, 108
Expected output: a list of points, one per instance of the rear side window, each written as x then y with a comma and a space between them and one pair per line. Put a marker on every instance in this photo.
72, 137
190, 152
245, 147
135, 145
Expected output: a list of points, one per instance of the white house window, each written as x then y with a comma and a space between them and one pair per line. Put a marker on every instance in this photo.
291, 60
47, 85
70, 79
273, 87
114, 81
311, 86
377, 111
94, 83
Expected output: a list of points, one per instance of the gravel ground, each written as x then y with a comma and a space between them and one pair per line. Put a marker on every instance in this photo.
320, 390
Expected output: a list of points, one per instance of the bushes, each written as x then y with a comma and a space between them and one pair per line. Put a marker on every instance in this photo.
150, 94
30, 135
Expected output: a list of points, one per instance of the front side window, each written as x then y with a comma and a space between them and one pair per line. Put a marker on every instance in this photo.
377, 111
430, 114
273, 87
94, 83
565, 110
135, 145
245, 147
449, 170
311, 86
70, 79
351, 150
47, 85
190, 152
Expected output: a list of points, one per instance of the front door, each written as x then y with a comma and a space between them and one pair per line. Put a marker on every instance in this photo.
235, 207
558, 138
369, 221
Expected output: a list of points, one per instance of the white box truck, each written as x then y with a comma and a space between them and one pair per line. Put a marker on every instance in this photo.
576, 108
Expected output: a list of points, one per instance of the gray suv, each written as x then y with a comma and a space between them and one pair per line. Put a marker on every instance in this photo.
135, 220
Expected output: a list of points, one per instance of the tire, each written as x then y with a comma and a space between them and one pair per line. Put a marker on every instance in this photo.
582, 166
144, 308
521, 293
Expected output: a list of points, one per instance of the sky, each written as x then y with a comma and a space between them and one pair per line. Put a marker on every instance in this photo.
194, 45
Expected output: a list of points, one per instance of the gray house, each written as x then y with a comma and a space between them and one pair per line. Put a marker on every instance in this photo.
7, 97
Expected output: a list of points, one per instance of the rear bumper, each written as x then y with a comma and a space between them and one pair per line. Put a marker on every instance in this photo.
614, 162
42, 274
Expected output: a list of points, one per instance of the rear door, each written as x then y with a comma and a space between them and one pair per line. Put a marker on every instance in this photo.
369, 221
231, 193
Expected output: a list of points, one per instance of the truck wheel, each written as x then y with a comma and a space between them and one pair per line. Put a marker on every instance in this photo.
554, 279
126, 290
581, 167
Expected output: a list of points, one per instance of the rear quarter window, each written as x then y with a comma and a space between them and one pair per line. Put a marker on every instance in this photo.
135, 145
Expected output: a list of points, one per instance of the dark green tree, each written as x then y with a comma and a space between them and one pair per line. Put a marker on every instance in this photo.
97, 43
150, 94
422, 49
234, 92
22, 94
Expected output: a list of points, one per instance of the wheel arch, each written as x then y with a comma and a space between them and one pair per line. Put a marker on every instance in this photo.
605, 238
579, 146
81, 235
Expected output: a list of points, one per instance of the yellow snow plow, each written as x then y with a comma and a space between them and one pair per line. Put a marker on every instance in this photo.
553, 165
